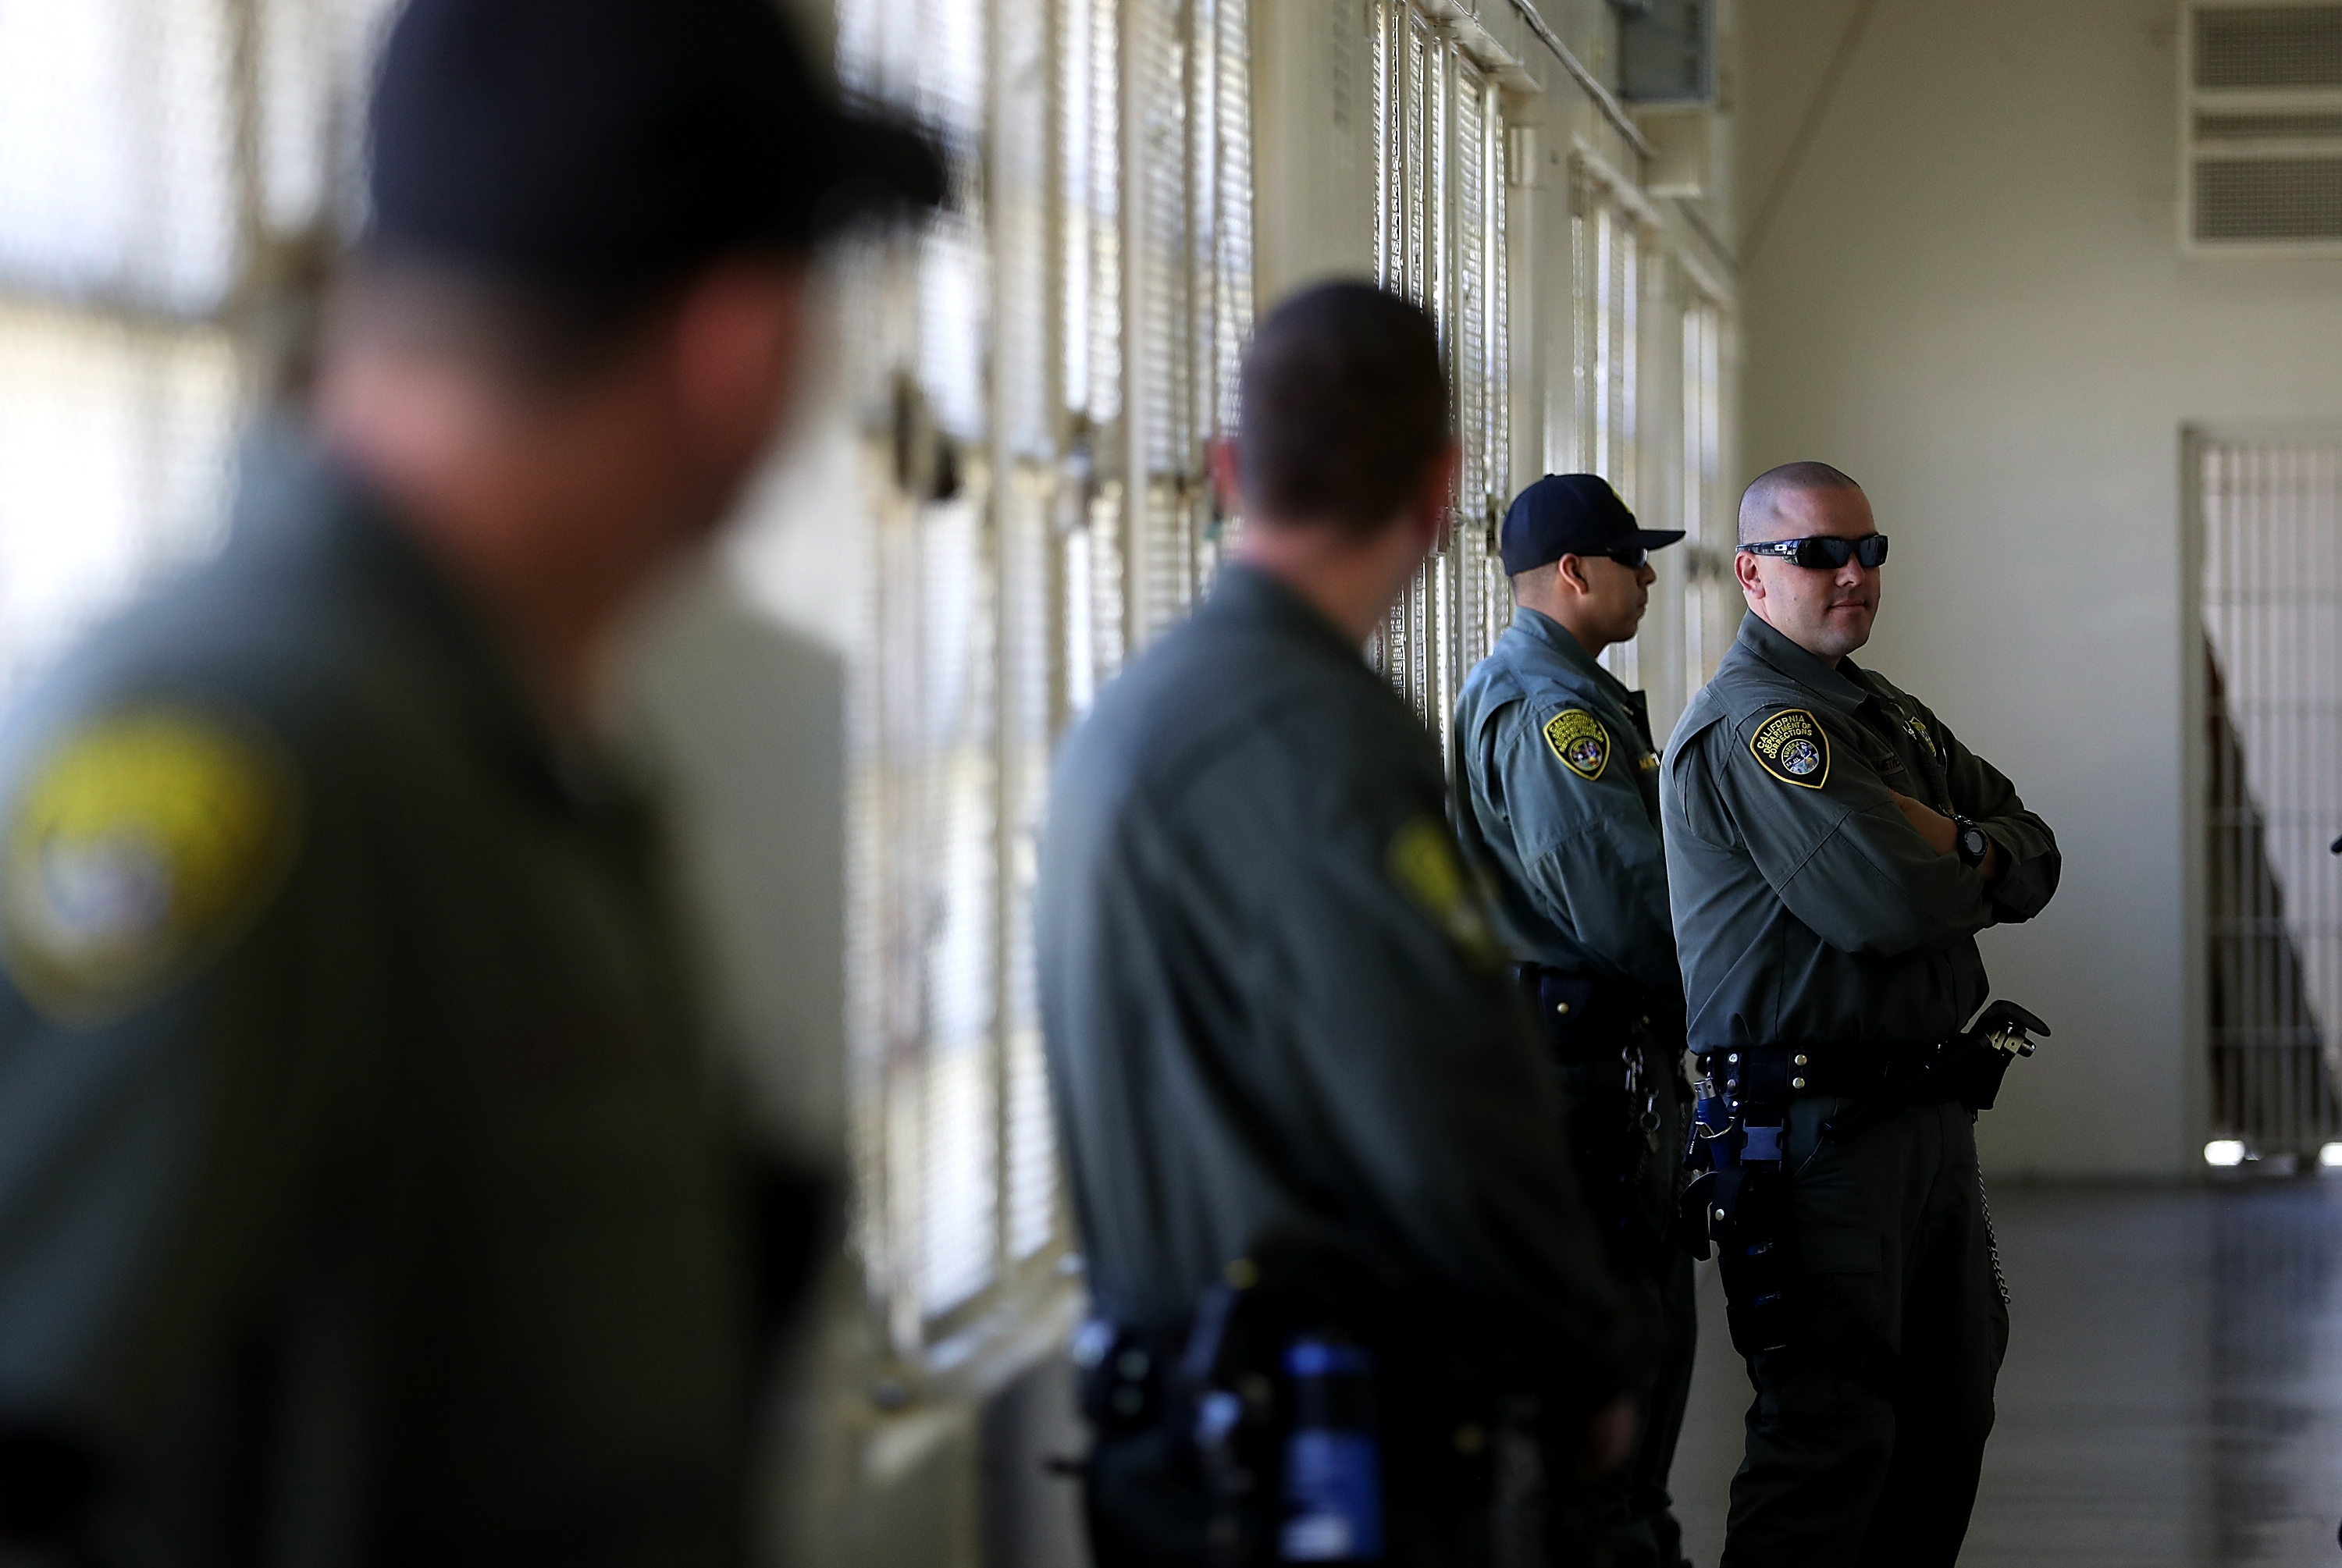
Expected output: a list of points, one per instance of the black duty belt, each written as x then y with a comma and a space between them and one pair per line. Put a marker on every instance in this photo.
1741, 1201
1585, 1017
1847, 1070
1127, 1375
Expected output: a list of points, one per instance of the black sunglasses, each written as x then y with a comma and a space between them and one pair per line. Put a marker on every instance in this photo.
1630, 556
1824, 552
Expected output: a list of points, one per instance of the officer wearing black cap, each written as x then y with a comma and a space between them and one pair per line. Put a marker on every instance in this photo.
366, 1193
1560, 787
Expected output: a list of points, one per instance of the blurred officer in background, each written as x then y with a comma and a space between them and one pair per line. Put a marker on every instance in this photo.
364, 1194
1280, 1024
1560, 785
1833, 850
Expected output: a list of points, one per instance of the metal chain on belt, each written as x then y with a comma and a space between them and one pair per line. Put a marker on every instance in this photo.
1992, 1240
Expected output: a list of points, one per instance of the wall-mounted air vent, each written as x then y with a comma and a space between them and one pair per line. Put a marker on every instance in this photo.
1667, 52
2261, 117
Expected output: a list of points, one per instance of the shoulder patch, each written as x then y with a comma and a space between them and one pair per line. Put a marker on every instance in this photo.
1793, 747
1581, 743
143, 844
1421, 860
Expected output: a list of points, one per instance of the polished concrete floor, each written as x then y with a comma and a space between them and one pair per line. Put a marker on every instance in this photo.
2173, 1392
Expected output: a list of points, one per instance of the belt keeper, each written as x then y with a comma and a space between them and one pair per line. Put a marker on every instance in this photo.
1760, 1142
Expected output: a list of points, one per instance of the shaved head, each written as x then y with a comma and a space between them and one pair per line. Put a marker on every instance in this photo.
1761, 513
1825, 610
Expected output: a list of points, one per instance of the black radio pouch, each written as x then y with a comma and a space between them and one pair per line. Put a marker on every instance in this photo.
1753, 1253
2000, 1034
1232, 1385
1741, 1205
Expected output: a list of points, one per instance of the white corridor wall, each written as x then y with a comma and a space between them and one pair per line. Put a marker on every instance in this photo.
1971, 296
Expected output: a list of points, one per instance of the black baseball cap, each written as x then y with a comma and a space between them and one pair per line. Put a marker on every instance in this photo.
1572, 515
619, 141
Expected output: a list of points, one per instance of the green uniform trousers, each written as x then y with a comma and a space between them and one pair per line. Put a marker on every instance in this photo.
1628, 1517
1868, 1433
1653, 1536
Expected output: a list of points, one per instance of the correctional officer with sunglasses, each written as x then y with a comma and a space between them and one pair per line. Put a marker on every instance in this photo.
1559, 803
1833, 849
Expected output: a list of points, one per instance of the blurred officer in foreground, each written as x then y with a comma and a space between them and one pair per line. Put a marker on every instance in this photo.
1833, 850
1342, 1277
365, 1196
1561, 803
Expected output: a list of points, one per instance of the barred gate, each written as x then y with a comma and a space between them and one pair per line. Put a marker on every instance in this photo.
2272, 585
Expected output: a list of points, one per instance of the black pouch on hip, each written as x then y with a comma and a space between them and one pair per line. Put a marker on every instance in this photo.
2001, 1034
1746, 1208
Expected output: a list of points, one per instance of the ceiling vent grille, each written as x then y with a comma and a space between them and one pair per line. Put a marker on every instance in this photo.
2261, 113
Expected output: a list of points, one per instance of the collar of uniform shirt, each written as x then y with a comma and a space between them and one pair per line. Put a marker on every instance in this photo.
1552, 634
1250, 594
286, 487
1835, 687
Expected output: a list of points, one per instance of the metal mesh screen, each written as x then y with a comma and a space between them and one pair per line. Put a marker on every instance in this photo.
114, 437
1050, 361
1223, 247
1409, 650
951, 725
1484, 596
1712, 600
1090, 509
158, 158
1162, 394
932, 1067
1021, 193
1608, 253
2248, 46
2277, 124
2263, 156
2268, 198
1439, 239
119, 179
1028, 714
1190, 278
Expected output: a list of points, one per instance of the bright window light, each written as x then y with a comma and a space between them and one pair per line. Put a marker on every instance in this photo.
2231, 1151
2330, 1155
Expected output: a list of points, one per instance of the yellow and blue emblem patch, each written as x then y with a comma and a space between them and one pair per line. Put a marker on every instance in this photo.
1581, 743
1421, 860
142, 847
1793, 747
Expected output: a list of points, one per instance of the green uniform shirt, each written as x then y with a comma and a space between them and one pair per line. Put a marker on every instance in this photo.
361, 1199
1806, 907
1273, 1000
1561, 800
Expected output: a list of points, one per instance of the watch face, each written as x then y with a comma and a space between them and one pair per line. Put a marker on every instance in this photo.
1972, 844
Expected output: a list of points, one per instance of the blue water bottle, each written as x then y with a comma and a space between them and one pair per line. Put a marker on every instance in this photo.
1332, 1464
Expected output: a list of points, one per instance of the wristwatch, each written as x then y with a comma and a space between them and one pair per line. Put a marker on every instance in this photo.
1969, 842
